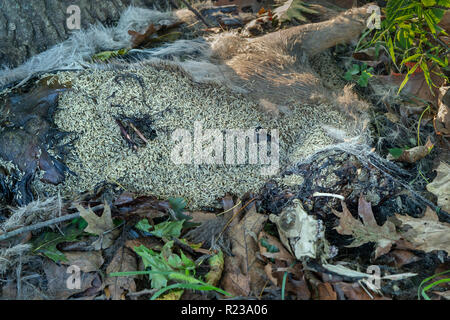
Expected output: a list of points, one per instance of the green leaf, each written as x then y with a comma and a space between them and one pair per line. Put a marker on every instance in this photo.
107, 55
414, 57
47, 242
348, 76
390, 46
143, 225
187, 263
429, 3
411, 71
396, 152
154, 261
270, 247
442, 63
364, 79
426, 74
354, 70
168, 229
166, 265
177, 205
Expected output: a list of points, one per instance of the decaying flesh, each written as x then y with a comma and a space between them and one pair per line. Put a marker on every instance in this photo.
26, 132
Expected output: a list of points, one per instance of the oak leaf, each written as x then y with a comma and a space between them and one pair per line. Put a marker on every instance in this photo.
427, 233
368, 230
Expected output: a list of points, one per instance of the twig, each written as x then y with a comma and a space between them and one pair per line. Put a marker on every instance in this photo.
37, 226
198, 14
320, 194
125, 135
234, 216
138, 133
142, 292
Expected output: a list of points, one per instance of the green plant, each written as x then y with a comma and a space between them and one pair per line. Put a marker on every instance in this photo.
422, 292
359, 73
167, 266
410, 35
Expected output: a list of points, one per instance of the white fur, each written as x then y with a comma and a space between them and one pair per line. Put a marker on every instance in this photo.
76, 52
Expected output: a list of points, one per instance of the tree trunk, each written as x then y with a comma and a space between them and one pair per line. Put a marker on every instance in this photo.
30, 27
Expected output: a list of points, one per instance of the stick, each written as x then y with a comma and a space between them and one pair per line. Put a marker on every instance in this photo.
138, 133
39, 225
320, 194
196, 13
125, 135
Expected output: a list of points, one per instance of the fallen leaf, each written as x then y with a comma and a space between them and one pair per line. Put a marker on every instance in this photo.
440, 186
102, 226
442, 118
416, 86
282, 254
326, 291
354, 291
216, 263
47, 243
149, 242
411, 155
243, 272
59, 280
403, 257
368, 230
200, 216
445, 294
139, 39
172, 295
154, 35
426, 233
124, 260
295, 281
87, 261
268, 268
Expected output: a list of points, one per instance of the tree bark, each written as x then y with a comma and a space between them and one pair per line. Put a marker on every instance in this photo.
30, 27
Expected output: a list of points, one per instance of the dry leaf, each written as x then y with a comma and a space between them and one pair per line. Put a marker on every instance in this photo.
282, 253
101, 226
269, 272
416, 85
440, 186
138, 39
124, 260
353, 291
414, 154
295, 283
368, 230
403, 257
326, 291
154, 34
427, 233
58, 279
200, 216
244, 273
87, 261
443, 114
445, 294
